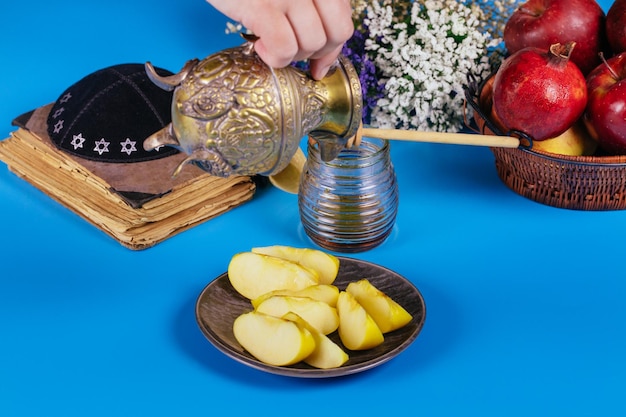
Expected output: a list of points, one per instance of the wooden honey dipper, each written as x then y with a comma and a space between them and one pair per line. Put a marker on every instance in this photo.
473, 139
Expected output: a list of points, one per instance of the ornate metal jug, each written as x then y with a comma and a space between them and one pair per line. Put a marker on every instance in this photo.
234, 115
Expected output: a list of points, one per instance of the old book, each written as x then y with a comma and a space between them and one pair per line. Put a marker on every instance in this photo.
139, 204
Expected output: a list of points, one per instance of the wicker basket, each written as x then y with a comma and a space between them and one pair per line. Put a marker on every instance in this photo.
571, 182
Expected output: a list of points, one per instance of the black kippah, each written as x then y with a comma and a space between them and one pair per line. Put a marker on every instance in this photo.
108, 114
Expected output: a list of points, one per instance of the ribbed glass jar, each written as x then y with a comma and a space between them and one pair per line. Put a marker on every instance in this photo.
350, 203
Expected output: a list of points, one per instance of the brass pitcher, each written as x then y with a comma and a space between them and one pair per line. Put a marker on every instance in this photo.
234, 115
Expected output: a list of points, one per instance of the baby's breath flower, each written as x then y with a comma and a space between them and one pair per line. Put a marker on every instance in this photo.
496, 13
233, 28
423, 59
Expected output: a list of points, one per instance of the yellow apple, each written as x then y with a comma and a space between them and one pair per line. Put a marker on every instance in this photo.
388, 314
575, 141
253, 274
273, 340
325, 264
357, 329
317, 313
327, 354
327, 293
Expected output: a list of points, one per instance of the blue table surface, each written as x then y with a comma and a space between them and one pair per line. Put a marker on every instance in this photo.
525, 302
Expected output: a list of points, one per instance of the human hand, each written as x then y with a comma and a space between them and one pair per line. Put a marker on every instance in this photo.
294, 30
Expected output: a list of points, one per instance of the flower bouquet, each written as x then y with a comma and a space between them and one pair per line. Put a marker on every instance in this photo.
414, 57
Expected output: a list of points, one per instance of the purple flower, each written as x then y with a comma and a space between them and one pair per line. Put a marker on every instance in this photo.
372, 88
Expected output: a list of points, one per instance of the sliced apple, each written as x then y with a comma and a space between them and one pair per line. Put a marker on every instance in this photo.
317, 313
387, 313
273, 340
357, 329
325, 264
327, 354
327, 293
253, 274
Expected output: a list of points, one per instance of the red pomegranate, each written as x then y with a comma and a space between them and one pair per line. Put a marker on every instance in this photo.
540, 92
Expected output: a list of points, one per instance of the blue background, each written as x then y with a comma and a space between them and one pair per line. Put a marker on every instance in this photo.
525, 302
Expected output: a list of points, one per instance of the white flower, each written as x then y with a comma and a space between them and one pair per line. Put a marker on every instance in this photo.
233, 27
424, 61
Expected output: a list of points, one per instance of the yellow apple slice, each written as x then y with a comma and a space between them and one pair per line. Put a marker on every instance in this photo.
253, 274
357, 329
327, 293
317, 313
273, 340
388, 314
327, 354
325, 264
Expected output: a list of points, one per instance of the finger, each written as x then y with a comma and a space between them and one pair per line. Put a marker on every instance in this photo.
278, 44
336, 17
320, 66
276, 48
337, 20
308, 28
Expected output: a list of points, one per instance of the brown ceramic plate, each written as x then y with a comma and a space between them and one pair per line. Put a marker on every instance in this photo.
219, 304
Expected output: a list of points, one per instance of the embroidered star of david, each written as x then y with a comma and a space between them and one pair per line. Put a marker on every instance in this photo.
102, 146
78, 140
58, 126
128, 146
107, 115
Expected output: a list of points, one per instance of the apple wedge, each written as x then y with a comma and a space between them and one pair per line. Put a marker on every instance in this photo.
327, 293
273, 340
253, 274
317, 313
357, 329
327, 354
388, 314
325, 264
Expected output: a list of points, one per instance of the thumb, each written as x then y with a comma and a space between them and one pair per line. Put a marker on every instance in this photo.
321, 65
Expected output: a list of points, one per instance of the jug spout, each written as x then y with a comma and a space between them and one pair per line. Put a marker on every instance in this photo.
164, 137
329, 145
